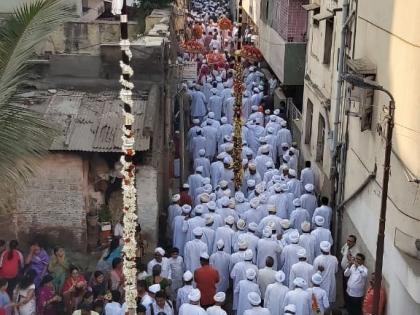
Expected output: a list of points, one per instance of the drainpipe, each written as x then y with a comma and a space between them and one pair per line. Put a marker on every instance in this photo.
334, 176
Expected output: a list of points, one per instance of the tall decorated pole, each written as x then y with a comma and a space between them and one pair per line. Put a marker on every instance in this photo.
237, 123
119, 7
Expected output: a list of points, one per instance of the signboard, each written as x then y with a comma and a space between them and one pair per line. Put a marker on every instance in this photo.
189, 70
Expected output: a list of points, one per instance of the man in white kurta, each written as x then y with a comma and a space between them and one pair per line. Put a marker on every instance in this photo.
194, 222
198, 142
319, 293
182, 294
272, 217
198, 103
289, 255
299, 297
192, 308
225, 233
174, 210
245, 287
162, 261
225, 129
294, 184
302, 269
321, 234
210, 133
215, 104
193, 251
299, 215
327, 264
209, 233
203, 161
267, 246
238, 273
219, 299
220, 261
324, 211
307, 175
266, 275
275, 294
308, 199
178, 238
284, 135
255, 300
307, 241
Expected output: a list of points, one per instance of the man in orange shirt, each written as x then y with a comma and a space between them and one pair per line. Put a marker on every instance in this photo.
206, 278
368, 300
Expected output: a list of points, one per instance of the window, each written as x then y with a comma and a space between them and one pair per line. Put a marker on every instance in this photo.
308, 121
320, 142
329, 29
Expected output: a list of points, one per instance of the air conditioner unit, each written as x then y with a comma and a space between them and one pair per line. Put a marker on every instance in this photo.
360, 104
280, 100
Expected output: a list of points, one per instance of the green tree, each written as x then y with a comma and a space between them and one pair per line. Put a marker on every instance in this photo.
25, 136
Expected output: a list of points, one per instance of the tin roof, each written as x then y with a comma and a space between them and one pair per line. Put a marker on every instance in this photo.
92, 122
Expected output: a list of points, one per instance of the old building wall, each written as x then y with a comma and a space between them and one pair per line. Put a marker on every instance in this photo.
52, 204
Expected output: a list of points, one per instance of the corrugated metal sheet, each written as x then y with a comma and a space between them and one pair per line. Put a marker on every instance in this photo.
92, 122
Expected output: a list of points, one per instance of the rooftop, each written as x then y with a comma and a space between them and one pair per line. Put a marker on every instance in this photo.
92, 121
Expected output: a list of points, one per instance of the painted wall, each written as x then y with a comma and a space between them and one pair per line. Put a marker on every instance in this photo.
386, 36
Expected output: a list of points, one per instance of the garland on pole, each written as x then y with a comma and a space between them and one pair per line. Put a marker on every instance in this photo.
237, 123
128, 168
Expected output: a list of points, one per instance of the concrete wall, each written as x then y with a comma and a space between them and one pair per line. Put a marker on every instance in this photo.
386, 36
147, 204
52, 204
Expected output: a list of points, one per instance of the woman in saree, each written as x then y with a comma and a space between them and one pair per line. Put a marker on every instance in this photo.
47, 298
38, 260
73, 289
58, 267
114, 251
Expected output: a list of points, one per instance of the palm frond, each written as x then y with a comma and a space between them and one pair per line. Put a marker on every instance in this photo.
24, 135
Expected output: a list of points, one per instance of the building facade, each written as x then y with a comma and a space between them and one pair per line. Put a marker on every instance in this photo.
381, 44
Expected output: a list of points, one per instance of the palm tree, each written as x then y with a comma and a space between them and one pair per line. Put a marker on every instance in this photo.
25, 136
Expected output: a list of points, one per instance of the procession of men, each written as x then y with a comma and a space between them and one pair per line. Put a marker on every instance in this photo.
264, 247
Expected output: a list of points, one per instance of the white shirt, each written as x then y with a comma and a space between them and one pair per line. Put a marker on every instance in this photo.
257, 310
182, 295
189, 309
357, 281
274, 298
266, 276
114, 308
345, 250
215, 310
166, 268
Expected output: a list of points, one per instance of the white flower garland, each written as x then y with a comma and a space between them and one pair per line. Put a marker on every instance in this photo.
128, 186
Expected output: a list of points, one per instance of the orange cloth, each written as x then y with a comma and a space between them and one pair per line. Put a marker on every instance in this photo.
368, 302
206, 278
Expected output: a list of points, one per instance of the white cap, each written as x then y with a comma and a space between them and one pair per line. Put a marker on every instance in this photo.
294, 237
317, 278
201, 152
254, 298
224, 120
227, 160
154, 288
285, 223
198, 231
325, 246
194, 295
305, 226
220, 244
185, 186
297, 202
176, 197
198, 209
223, 183
250, 274
271, 208
211, 205
265, 149
186, 208
267, 232
259, 188
248, 255
301, 253
300, 282
187, 276
292, 172
242, 244
219, 297
209, 219
224, 201
290, 308
241, 224
319, 220
255, 202
210, 115
277, 187
283, 123
221, 155
160, 251
199, 169
256, 90
309, 187
239, 196
205, 197
252, 226
269, 164
250, 182
230, 220
204, 255
254, 107
280, 276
